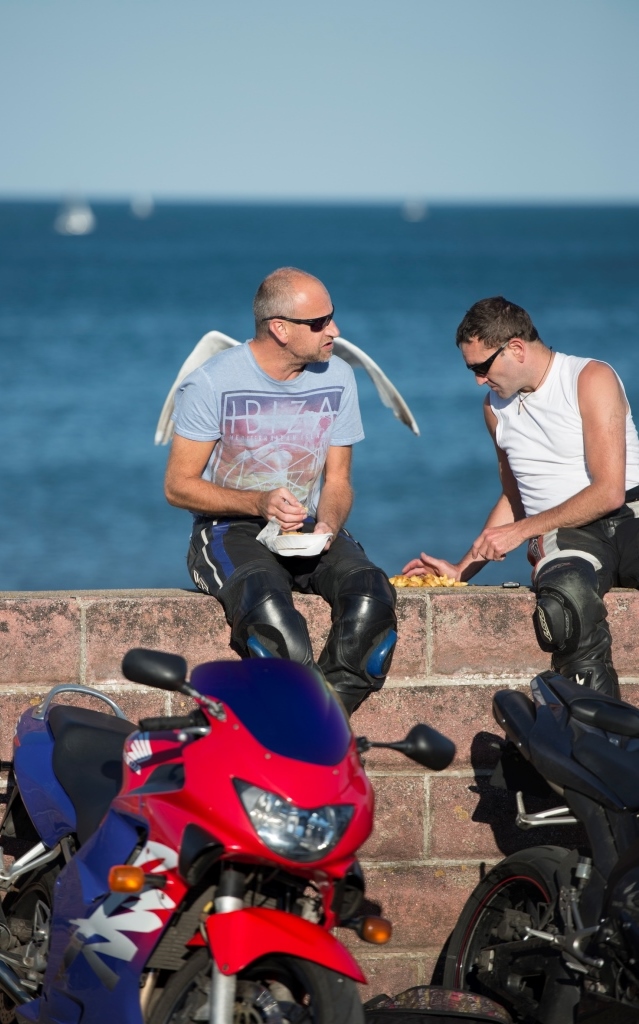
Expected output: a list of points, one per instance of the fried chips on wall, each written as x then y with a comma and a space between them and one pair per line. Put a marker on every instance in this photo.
427, 580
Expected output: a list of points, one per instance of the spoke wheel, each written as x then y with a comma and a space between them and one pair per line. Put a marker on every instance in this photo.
275, 990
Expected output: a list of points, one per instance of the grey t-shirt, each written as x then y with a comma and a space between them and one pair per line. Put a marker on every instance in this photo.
270, 433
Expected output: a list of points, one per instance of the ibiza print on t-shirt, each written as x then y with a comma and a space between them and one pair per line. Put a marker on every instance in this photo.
270, 441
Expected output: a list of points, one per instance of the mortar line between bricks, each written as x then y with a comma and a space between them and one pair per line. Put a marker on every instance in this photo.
429, 862
454, 773
429, 635
427, 821
83, 641
485, 681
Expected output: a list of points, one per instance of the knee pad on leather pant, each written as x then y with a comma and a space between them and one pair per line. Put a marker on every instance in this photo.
363, 635
265, 623
569, 616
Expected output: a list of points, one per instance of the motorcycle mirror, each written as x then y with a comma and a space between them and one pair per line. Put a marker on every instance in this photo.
427, 747
155, 668
424, 745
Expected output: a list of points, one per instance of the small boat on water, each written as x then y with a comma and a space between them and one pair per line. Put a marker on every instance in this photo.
75, 218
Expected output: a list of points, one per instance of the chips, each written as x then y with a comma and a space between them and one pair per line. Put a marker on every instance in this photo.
428, 580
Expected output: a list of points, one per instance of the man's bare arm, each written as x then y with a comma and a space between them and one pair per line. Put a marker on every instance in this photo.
336, 496
603, 408
184, 487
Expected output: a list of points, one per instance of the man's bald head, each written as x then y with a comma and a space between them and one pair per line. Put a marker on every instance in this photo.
277, 295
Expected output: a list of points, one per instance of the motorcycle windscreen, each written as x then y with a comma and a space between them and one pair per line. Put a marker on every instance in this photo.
288, 707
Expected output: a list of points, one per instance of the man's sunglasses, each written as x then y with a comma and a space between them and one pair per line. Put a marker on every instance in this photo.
481, 369
316, 323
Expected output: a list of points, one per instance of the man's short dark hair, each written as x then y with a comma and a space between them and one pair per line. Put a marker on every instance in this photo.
494, 322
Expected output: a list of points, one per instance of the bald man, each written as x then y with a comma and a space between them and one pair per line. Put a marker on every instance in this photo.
264, 431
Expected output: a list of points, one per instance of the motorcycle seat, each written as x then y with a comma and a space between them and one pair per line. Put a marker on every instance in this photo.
515, 712
87, 760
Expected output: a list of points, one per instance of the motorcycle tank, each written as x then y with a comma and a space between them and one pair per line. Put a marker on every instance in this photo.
289, 708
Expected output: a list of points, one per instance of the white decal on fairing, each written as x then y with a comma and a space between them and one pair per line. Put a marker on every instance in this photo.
137, 751
162, 857
140, 915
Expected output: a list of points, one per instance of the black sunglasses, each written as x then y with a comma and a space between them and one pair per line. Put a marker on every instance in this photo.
316, 323
481, 369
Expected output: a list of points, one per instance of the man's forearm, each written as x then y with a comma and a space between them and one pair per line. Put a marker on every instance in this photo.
209, 499
334, 505
501, 514
582, 508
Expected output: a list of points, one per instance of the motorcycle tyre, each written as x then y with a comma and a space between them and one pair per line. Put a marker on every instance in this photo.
532, 872
38, 886
334, 999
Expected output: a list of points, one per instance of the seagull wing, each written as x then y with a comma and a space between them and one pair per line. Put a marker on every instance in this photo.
208, 346
386, 390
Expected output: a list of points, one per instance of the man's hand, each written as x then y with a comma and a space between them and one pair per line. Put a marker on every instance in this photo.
437, 566
324, 528
283, 507
494, 542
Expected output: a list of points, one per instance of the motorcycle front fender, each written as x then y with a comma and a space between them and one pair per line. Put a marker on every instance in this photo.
238, 938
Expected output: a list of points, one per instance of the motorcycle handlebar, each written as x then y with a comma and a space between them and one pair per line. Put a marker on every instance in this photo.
171, 722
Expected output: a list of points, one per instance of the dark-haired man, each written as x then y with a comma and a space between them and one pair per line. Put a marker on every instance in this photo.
568, 456
264, 432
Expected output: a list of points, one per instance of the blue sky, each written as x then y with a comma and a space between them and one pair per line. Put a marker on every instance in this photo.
346, 99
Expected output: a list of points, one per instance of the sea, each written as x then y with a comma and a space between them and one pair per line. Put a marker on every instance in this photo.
93, 330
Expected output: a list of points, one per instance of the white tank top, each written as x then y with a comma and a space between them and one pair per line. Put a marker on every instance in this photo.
543, 438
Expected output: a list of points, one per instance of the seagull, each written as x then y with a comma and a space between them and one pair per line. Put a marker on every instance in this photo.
214, 342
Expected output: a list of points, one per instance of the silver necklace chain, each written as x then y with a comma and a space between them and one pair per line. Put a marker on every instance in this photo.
524, 395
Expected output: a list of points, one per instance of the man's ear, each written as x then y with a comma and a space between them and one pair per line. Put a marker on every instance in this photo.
519, 348
279, 330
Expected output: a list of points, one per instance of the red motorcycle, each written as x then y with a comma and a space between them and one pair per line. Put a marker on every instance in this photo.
203, 884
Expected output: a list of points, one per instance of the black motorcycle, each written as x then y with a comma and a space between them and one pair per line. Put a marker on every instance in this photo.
553, 933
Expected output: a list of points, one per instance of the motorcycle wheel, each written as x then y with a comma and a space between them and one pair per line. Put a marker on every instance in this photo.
520, 890
20, 905
275, 990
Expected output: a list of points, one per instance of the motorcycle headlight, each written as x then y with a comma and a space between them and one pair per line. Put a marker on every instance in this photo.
298, 833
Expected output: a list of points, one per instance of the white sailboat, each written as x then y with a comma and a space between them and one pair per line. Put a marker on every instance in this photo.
75, 218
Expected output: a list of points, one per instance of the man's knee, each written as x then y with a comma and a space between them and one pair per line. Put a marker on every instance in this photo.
570, 622
568, 605
264, 621
360, 646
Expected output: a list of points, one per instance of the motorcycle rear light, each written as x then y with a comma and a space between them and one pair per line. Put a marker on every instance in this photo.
126, 878
300, 834
375, 929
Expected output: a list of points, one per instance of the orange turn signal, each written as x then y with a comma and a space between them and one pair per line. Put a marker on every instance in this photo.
375, 929
126, 878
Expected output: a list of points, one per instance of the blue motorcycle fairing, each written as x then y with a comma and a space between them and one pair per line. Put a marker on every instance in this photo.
89, 924
47, 804
289, 708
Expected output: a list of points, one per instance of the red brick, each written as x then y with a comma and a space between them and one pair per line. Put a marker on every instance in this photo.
13, 706
398, 833
462, 712
423, 902
630, 693
191, 625
318, 618
486, 630
39, 640
410, 657
389, 974
623, 617
471, 819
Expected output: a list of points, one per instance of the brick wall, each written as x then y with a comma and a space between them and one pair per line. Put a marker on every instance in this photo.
434, 833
